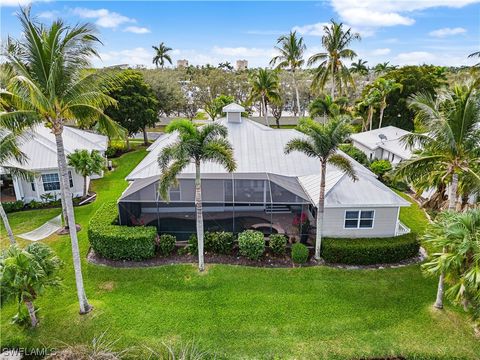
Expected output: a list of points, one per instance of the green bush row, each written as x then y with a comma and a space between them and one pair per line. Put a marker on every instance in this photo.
299, 253
251, 244
369, 251
115, 242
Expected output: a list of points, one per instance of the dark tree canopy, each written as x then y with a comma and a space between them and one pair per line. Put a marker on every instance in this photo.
137, 106
414, 79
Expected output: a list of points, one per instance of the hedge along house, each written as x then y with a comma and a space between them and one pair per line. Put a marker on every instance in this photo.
41, 151
269, 190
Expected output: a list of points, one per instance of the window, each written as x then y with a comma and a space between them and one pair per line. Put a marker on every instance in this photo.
51, 182
174, 193
359, 219
33, 186
70, 178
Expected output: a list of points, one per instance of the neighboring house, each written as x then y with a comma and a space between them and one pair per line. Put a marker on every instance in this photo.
41, 151
268, 191
384, 143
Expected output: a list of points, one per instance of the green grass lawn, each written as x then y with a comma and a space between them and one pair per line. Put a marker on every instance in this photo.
241, 312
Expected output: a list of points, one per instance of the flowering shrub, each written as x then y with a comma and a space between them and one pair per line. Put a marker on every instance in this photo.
302, 223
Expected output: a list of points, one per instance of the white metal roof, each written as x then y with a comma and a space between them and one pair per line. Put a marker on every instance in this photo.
392, 143
40, 147
260, 149
233, 108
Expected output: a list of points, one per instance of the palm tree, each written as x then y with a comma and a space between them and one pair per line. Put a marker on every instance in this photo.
325, 106
265, 87
457, 234
335, 42
381, 68
86, 164
359, 67
370, 100
225, 66
321, 141
384, 88
161, 54
49, 85
450, 151
291, 49
197, 145
25, 274
474, 55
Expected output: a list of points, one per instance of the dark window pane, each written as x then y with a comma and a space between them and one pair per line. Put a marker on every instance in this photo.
351, 215
366, 223
349, 224
367, 215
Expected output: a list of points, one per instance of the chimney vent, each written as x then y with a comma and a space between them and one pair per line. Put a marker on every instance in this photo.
234, 112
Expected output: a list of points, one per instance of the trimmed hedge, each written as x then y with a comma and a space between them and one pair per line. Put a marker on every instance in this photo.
116, 242
370, 251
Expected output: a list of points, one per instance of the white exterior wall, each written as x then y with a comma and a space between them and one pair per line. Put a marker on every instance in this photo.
370, 153
384, 223
23, 190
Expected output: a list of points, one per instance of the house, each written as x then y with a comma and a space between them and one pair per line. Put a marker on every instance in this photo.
41, 151
384, 143
269, 190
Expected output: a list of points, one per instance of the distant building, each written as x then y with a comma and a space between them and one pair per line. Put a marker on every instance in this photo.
242, 64
182, 63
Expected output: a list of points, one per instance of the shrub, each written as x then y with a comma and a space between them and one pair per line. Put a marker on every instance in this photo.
193, 244
299, 253
166, 244
354, 153
117, 242
278, 244
115, 149
251, 244
370, 251
11, 206
219, 242
381, 167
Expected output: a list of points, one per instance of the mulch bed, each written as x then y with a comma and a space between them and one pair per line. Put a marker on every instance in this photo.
268, 261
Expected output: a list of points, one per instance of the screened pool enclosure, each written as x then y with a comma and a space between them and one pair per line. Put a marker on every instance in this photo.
231, 202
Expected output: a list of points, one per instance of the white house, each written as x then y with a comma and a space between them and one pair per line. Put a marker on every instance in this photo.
384, 143
268, 191
40, 149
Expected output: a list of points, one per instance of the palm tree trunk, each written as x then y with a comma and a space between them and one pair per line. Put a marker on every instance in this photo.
439, 300
296, 91
382, 108
7, 225
85, 189
332, 91
31, 312
62, 166
370, 117
452, 197
198, 207
264, 100
320, 211
127, 140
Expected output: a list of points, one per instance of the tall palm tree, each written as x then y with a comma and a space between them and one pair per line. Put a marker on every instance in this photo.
474, 55
49, 85
370, 100
335, 41
161, 54
359, 67
384, 88
321, 141
291, 48
265, 87
197, 145
450, 151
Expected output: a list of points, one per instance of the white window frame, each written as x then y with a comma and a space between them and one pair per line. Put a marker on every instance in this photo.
50, 182
359, 211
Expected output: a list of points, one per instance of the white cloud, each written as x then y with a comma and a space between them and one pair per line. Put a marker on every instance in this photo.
48, 14
380, 52
311, 29
136, 30
104, 18
415, 58
136, 56
371, 14
14, 2
243, 52
447, 32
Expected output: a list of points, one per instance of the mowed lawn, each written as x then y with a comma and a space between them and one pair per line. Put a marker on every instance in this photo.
241, 312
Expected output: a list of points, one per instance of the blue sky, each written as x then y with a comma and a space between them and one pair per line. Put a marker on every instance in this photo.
441, 32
